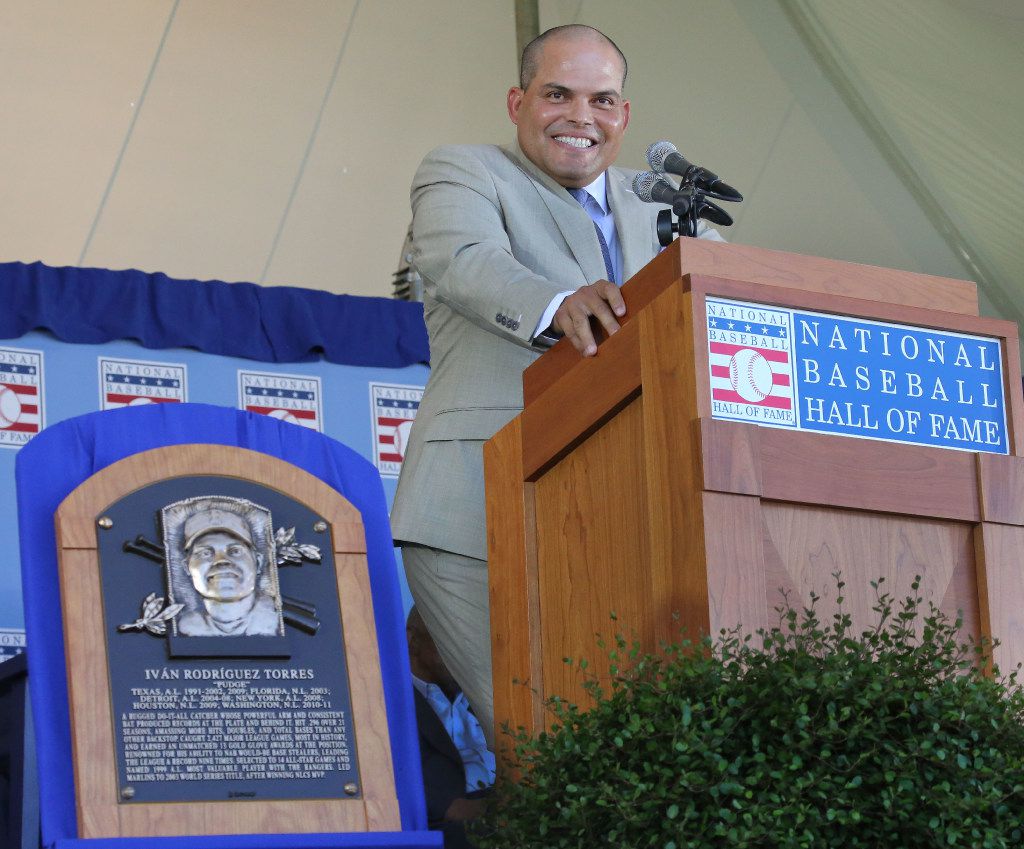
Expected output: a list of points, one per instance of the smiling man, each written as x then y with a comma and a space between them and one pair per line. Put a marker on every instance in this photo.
517, 246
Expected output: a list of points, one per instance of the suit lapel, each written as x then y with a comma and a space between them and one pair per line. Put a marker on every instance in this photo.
574, 224
633, 228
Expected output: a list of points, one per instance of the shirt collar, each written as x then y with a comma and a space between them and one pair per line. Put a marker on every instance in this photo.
598, 190
426, 688
431, 691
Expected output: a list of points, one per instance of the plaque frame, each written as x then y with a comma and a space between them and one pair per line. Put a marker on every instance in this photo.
99, 813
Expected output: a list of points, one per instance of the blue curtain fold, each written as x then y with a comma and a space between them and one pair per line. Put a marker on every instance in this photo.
274, 324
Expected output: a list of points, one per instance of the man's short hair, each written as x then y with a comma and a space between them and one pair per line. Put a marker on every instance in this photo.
531, 53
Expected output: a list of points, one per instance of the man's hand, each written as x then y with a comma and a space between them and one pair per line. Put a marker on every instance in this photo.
601, 300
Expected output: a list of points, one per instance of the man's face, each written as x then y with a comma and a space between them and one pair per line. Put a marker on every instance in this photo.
571, 118
425, 659
223, 568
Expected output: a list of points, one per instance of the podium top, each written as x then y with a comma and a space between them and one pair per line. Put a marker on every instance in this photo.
817, 274
685, 259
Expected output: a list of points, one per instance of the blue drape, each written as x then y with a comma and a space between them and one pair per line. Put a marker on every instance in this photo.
274, 324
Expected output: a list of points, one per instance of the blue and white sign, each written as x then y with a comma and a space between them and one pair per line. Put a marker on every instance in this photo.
855, 377
128, 383
394, 410
12, 642
21, 396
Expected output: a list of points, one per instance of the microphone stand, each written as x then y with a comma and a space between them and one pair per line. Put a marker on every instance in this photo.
689, 205
685, 203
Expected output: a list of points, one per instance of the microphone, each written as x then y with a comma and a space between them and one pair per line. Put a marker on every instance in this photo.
663, 156
649, 187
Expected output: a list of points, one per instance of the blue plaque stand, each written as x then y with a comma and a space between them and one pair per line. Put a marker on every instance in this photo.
54, 463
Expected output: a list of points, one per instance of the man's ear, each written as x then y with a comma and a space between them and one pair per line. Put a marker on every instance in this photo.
515, 100
625, 114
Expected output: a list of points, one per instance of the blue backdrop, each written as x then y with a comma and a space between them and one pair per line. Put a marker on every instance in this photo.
59, 325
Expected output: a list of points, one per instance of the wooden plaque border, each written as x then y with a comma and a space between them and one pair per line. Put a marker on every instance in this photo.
100, 814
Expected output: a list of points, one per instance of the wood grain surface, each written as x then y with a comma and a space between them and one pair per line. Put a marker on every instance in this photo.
514, 603
1001, 590
671, 395
597, 385
808, 544
1002, 488
862, 474
593, 553
99, 813
827, 276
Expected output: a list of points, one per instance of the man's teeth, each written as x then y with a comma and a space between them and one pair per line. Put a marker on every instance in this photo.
574, 141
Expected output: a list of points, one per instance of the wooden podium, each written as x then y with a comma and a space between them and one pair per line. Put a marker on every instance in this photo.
616, 490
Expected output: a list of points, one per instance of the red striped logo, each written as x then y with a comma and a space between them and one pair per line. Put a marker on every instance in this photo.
131, 383
750, 363
750, 375
21, 396
394, 409
288, 397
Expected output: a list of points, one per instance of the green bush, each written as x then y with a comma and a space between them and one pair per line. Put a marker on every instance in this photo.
809, 736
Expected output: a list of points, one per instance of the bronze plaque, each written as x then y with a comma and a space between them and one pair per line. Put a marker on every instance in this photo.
225, 646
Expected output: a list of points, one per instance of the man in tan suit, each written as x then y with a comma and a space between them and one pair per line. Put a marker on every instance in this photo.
510, 260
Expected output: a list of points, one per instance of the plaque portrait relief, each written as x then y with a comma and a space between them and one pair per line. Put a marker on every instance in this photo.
221, 566
220, 557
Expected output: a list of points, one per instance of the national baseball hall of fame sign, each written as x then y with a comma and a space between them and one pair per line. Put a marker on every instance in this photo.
226, 641
848, 376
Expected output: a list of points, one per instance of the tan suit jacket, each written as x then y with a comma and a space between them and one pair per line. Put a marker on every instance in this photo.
495, 239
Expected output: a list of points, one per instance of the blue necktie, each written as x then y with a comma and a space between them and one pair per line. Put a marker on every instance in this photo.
582, 196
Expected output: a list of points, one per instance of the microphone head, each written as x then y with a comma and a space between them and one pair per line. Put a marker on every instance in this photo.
643, 184
658, 152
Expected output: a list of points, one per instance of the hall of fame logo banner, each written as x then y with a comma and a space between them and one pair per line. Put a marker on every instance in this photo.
131, 383
393, 409
21, 396
855, 377
290, 397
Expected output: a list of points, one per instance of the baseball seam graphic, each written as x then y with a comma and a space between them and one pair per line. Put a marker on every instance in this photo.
750, 375
10, 407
